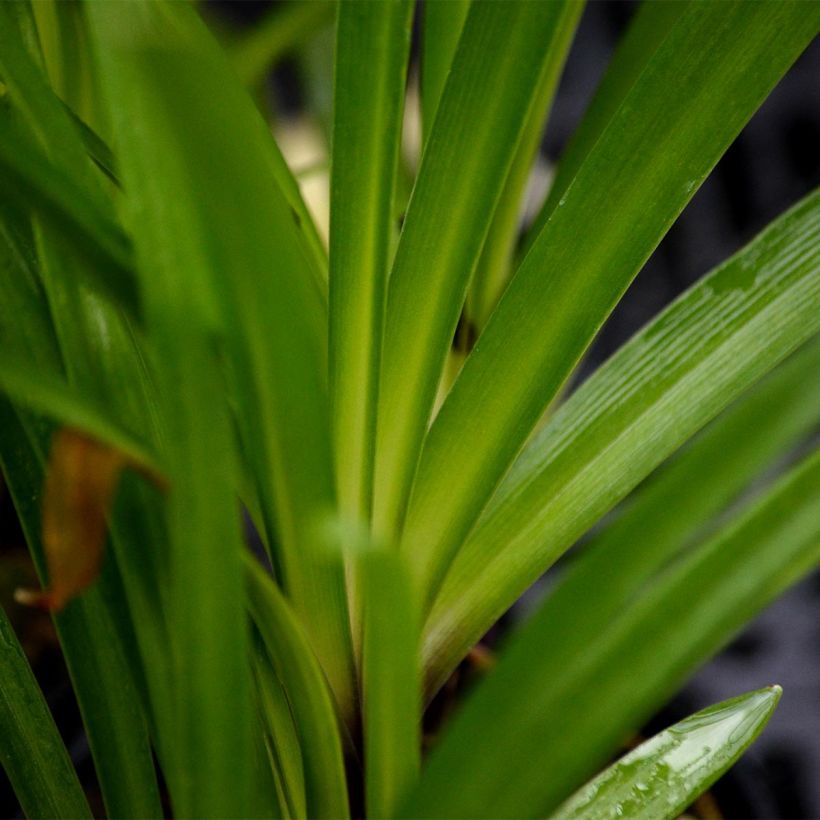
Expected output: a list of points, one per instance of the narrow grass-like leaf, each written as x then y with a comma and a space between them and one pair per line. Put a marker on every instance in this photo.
314, 716
66, 54
657, 391
105, 364
547, 688
676, 121
281, 735
495, 265
651, 24
679, 506
442, 26
502, 54
282, 30
108, 698
103, 675
62, 186
38, 391
391, 681
247, 284
368, 108
32, 752
665, 774
214, 751
32, 181
96, 148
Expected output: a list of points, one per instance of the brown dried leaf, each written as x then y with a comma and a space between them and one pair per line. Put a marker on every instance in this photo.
81, 480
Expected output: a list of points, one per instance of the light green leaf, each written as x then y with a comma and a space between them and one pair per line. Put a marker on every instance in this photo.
372, 46
547, 688
665, 774
314, 717
647, 30
281, 736
442, 26
244, 286
657, 391
680, 505
136, 45
391, 681
503, 53
678, 118
32, 752
495, 265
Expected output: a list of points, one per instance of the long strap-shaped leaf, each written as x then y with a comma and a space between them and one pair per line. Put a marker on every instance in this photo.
106, 688
442, 24
30, 180
31, 751
213, 756
246, 281
391, 681
656, 392
546, 688
664, 775
105, 364
680, 505
281, 736
282, 30
372, 44
314, 715
680, 115
647, 31
52, 397
503, 52
94, 649
495, 264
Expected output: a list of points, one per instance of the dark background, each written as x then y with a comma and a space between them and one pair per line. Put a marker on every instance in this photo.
774, 162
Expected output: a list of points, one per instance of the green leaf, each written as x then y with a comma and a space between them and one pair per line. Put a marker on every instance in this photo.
66, 54
95, 646
391, 681
53, 397
547, 687
96, 148
679, 506
442, 26
282, 30
503, 53
32, 752
107, 368
32, 181
233, 235
372, 46
148, 59
676, 121
495, 265
295, 666
647, 400
59, 185
665, 774
647, 31
281, 735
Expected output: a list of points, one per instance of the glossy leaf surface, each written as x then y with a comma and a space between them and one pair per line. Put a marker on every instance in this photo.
663, 775
648, 399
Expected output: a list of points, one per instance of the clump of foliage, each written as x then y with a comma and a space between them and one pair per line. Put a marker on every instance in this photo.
177, 345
